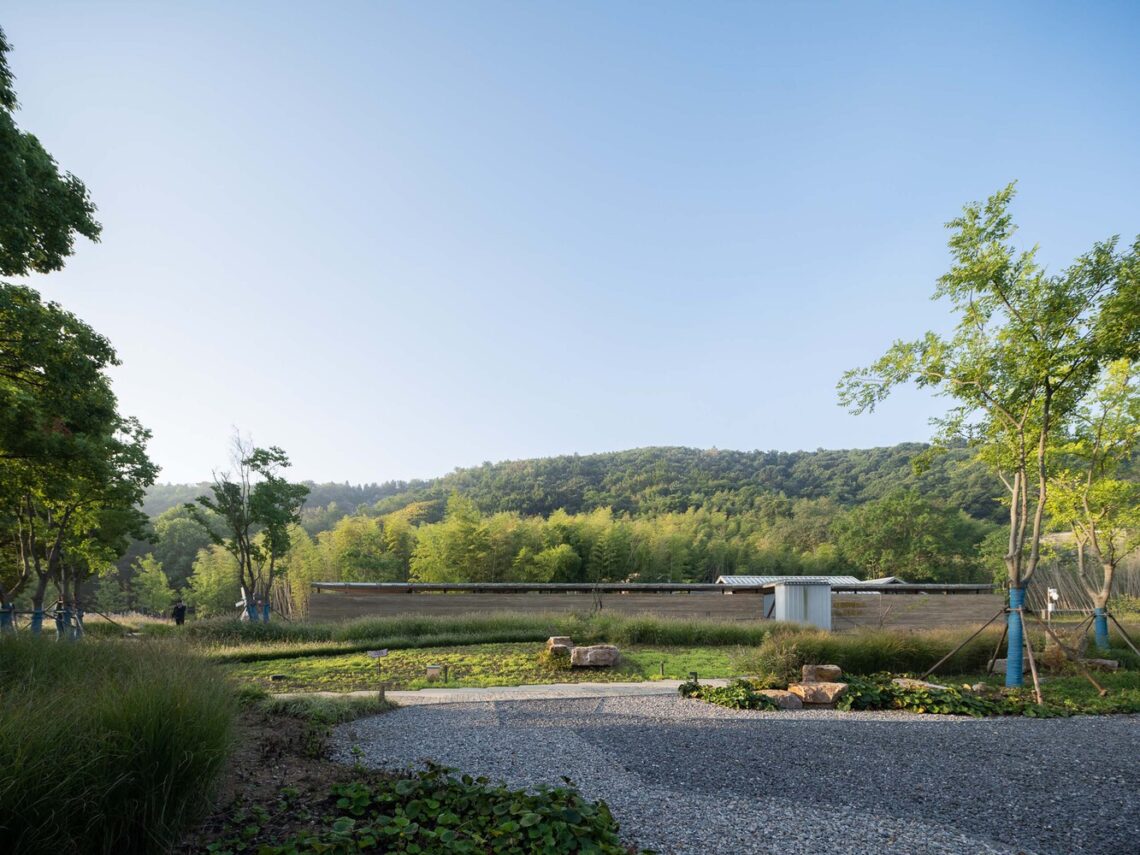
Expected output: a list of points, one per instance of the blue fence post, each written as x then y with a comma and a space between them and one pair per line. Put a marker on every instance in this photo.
1014, 652
37, 625
1100, 623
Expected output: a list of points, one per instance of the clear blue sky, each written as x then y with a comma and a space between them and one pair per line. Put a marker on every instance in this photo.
398, 238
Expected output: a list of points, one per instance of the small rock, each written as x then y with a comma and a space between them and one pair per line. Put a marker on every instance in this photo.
596, 656
1101, 664
821, 673
559, 641
818, 693
784, 700
908, 683
997, 666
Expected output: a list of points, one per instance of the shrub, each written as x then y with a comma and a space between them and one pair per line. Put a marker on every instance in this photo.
434, 812
737, 695
106, 746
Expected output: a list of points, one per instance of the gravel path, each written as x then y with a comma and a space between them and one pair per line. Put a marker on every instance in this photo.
686, 777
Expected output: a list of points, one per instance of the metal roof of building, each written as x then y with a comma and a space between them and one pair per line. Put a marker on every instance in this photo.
772, 580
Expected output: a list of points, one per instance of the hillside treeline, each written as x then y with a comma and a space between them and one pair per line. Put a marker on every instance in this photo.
902, 533
648, 481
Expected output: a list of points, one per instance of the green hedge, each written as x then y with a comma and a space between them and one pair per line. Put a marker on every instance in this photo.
106, 746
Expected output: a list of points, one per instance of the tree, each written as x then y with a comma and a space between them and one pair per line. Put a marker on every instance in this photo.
905, 535
41, 210
254, 510
178, 541
1092, 499
1026, 348
150, 588
214, 585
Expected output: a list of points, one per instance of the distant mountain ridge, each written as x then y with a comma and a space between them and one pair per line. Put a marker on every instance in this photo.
653, 480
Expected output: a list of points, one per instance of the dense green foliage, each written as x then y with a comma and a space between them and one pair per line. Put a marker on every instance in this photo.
41, 210
646, 481
655, 514
737, 695
106, 746
1062, 697
72, 468
434, 812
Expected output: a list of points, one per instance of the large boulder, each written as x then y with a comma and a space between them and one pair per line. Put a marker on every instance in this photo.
597, 656
822, 673
784, 700
819, 694
559, 645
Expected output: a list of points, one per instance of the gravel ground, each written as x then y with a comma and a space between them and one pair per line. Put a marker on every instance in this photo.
682, 776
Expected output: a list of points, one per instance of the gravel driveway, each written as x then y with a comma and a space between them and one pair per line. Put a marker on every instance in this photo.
687, 777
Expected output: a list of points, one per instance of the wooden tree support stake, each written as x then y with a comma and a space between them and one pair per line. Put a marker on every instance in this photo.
1072, 657
997, 648
1127, 638
939, 663
1029, 651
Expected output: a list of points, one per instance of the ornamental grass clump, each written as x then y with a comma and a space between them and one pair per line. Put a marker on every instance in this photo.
106, 746
781, 656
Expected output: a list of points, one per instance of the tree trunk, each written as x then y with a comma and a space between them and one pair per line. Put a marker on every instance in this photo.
1100, 607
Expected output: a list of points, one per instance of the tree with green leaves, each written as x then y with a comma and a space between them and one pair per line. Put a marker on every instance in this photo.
251, 513
1092, 497
150, 588
41, 209
906, 535
1027, 347
215, 585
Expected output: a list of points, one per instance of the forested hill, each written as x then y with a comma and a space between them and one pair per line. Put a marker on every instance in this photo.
647, 481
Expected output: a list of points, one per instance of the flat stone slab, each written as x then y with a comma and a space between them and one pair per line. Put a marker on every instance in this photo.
595, 656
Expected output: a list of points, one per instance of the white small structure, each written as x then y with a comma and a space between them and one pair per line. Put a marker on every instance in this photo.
803, 601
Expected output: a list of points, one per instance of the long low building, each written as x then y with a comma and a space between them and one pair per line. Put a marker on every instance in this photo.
846, 604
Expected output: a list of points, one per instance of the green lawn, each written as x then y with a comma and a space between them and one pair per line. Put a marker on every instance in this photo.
473, 665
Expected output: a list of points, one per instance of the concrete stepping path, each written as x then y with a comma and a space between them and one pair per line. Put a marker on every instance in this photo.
541, 692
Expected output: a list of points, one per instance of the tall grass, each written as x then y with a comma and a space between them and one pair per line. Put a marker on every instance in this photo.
106, 746
236, 641
781, 656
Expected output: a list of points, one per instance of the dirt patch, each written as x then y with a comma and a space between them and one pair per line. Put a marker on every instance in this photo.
277, 782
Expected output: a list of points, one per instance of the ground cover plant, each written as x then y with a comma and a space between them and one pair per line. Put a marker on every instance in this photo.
472, 665
737, 695
434, 811
107, 746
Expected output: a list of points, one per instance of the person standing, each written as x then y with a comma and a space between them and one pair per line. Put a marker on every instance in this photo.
179, 613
